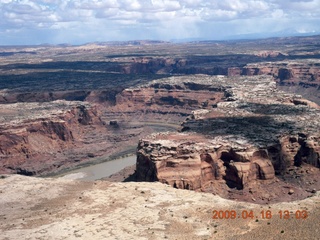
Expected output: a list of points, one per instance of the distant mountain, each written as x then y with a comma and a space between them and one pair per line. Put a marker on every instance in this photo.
184, 40
284, 33
132, 42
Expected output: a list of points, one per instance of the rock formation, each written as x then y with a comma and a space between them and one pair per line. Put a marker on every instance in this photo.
253, 134
161, 97
37, 137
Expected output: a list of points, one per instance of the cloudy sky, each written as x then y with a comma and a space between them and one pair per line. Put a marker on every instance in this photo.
81, 21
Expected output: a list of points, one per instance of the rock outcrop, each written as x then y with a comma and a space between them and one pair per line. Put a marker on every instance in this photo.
193, 162
252, 135
161, 97
40, 137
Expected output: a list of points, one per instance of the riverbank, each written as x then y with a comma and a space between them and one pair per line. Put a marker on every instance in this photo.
102, 170
126, 174
130, 151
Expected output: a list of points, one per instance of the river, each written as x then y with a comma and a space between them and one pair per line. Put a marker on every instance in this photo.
101, 170
105, 169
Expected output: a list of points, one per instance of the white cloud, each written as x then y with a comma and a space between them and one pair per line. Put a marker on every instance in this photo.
157, 17
278, 13
96, 4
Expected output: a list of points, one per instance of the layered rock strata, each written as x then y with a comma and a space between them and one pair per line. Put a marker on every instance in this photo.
161, 97
253, 134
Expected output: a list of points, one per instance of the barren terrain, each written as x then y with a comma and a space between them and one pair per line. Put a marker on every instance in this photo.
66, 209
232, 119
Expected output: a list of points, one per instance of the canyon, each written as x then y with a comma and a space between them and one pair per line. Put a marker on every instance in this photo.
216, 126
63, 107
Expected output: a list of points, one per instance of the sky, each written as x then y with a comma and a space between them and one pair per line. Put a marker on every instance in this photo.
25, 22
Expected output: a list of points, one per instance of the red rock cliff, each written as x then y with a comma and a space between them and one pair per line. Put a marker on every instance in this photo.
32, 145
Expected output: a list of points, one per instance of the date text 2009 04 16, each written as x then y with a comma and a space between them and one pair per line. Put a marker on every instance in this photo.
264, 214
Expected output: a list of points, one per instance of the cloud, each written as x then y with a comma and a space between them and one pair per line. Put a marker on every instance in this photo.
157, 17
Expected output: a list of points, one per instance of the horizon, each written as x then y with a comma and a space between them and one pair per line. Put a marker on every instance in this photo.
76, 22
159, 41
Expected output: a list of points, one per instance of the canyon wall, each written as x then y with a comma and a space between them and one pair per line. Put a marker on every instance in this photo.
301, 75
45, 140
306, 69
164, 98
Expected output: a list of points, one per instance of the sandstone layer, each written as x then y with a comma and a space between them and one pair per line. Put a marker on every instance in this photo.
255, 137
